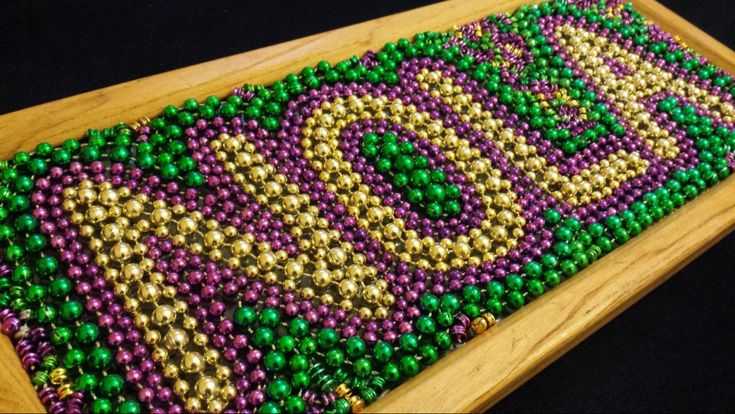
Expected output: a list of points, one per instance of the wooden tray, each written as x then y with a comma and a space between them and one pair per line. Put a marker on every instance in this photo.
489, 367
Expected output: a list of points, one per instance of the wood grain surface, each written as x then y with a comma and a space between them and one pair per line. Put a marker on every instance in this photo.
480, 373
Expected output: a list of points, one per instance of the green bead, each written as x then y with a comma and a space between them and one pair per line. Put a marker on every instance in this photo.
409, 366
551, 277
404, 163
46, 314
71, 311
9, 175
327, 338
564, 234
613, 222
605, 244
494, 306
60, 287
73, 358
362, 367
298, 327
279, 389
355, 347
18, 203
596, 229
170, 111
286, 343
342, 406
383, 351
145, 161
435, 192
471, 310
270, 407
568, 267
61, 335
128, 407
419, 178
391, 372
471, 294
452, 192
450, 302
299, 363
369, 150
14, 253
194, 179
35, 243
307, 346
434, 210
549, 261
621, 235
429, 302
23, 184
99, 359
35, 293
452, 207
407, 148
444, 318
429, 354
274, 361
535, 287
169, 171
6, 233
21, 158
371, 139
514, 281
335, 357
86, 383
295, 405
244, 316
300, 379
400, 180
44, 149
533, 269
101, 406
368, 394
61, 157
425, 325
263, 337
389, 150
119, 154
269, 317
384, 165
47, 265
409, 342
187, 164
438, 177
112, 385
87, 333
516, 299
422, 162
495, 289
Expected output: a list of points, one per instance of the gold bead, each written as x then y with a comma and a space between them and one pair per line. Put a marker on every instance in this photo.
193, 405
175, 339
192, 362
206, 388
163, 315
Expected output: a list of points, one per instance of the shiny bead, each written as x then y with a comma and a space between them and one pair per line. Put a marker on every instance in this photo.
279, 389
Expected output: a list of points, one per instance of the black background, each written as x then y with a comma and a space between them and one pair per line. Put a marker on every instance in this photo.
672, 351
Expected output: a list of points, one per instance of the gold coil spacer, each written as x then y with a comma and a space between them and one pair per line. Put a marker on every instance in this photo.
482, 323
